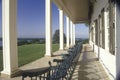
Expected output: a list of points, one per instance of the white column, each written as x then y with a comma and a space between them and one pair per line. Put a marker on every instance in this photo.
61, 29
67, 31
48, 26
71, 33
10, 55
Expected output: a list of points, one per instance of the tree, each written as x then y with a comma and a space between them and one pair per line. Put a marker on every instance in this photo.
35, 41
56, 37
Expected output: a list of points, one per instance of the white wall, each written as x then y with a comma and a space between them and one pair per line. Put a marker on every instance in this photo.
107, 59
98, 6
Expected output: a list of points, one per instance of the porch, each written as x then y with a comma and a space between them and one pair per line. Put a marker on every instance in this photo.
88, 66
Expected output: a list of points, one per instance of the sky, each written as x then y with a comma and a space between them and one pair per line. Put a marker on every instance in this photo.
31, 20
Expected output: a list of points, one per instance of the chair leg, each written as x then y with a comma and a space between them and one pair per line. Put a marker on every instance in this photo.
22, 78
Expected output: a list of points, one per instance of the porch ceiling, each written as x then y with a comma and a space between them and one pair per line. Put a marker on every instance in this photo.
76, 10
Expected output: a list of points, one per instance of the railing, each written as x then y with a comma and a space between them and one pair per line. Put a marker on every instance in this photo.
63, 70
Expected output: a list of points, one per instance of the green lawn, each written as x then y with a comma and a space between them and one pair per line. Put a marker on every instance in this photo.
29, 53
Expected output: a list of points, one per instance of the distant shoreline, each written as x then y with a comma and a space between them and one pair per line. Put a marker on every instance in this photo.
31, 38
28, 39
44, 38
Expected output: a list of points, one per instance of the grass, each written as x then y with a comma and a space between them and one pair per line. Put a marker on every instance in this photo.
29, 53
55, 47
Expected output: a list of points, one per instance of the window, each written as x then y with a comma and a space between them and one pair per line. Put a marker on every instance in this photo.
103, 29
112, 28
100, 31
96, 32
92, 34
107, 29
109, 21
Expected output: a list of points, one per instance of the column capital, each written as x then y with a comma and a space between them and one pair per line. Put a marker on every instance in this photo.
60, 9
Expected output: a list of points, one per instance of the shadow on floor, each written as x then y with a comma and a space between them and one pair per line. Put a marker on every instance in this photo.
88, 67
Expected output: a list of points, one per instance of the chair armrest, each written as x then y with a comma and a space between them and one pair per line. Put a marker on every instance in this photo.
58, 60
35, 72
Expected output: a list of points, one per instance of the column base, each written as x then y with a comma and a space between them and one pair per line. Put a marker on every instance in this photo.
71, 46
67, 47
5, 74
48, 55
61, 49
